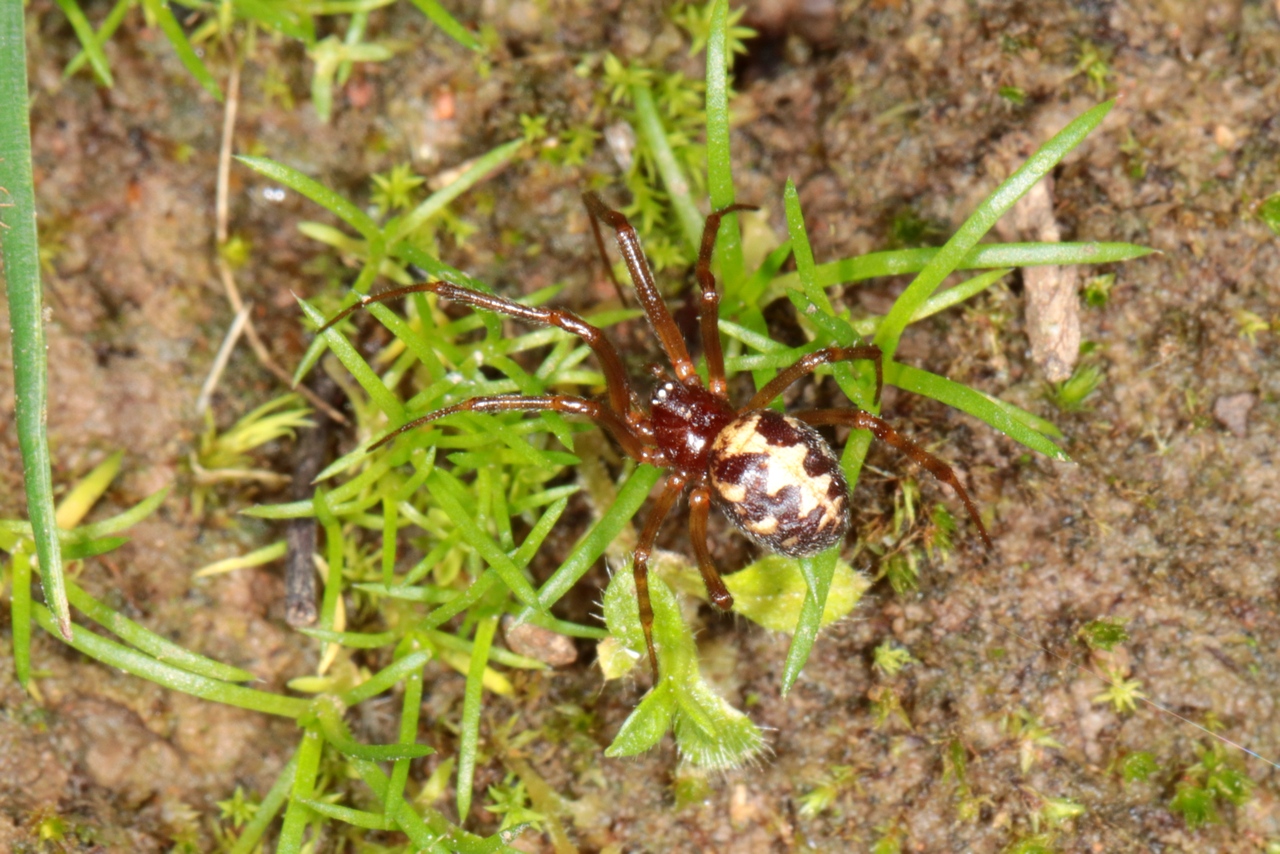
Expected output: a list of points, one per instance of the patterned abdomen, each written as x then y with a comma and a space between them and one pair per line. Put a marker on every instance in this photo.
778, 481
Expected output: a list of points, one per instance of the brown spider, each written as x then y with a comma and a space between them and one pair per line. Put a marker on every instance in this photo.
773, 475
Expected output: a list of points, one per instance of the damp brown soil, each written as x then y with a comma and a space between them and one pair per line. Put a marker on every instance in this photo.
884, 114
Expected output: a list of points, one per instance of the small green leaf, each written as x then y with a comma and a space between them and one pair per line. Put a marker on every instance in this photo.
645, 726
709, 732
772, 590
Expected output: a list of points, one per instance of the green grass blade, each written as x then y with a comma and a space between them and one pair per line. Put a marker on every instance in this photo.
316, 192
92, 548
158, 647
477, 172
719, 162
354, 817
187, 55
410, 710
97, 530
816, 308
424, 836
902, 261
806, 272
109, 26
980, 222
452, 499
673, 177
257, 557
470, 739
449, 837
89, 43
304, 782
630, 497
293, 20
385, 678
19, 250
266, 811
117, 655
121, 521
383, 397
329, 711
20, 613
354, 640
1005, 417
448, 24
818, 571
954, 296
497, 654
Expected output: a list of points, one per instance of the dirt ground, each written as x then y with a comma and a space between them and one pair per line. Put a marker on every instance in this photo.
1168, 518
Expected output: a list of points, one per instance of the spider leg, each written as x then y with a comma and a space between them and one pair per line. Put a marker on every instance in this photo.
699, 507
597, 412
619, 386
883, 431
807, 364
709, 308
604, 256
647, 290
640, 560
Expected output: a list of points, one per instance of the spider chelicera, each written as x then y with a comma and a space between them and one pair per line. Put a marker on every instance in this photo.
773, 475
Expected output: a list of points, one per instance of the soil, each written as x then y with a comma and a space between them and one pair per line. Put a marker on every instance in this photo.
881, 112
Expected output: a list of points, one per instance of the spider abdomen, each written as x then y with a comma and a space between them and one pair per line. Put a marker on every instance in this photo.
780, 483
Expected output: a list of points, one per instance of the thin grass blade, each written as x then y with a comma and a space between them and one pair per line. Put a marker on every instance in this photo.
719, 161
88, 42
903, 261
980, 222
267, 810
316, 192
673, 177
109, 26
160, 648
1015, 423
144, 666
187, 55
20, 612
470, 740
477, 172
19, 250
448, 24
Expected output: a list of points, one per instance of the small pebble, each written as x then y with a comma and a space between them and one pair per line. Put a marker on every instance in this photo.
538, 643
1232, 412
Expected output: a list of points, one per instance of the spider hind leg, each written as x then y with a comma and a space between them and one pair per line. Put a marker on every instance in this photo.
885, 432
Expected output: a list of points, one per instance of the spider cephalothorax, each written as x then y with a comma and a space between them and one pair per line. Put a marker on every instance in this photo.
773, 475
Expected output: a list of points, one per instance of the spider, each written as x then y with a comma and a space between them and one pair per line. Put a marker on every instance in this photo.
773, 475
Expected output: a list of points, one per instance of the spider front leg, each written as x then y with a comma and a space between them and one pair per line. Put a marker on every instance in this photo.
605, 417
646, 289
883, 431
808, 363
640, 559
709, 308
620, 393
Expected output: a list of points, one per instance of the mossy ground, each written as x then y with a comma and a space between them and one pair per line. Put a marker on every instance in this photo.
883, 114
